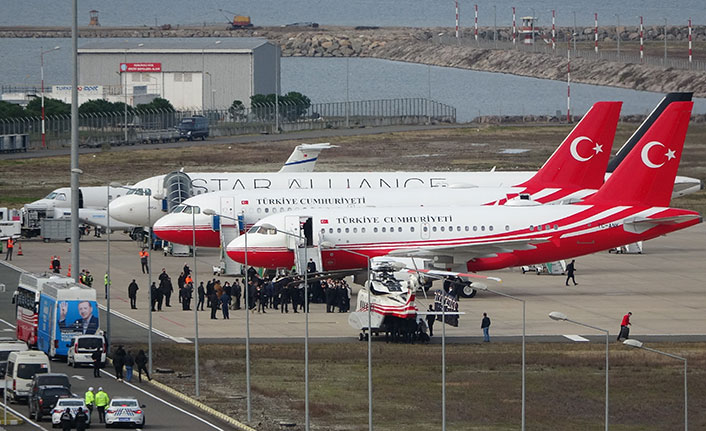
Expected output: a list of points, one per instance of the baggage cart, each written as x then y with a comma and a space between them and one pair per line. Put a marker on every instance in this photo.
56, 229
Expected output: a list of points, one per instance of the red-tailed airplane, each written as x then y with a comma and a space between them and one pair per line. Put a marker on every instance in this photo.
575, 170
178, 186
631, 206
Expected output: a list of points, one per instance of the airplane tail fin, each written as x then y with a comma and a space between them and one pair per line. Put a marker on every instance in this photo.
645, 126
304, 157
646, 175
580, 161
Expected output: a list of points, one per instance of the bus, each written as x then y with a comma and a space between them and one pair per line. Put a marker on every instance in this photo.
27, 303
65, 311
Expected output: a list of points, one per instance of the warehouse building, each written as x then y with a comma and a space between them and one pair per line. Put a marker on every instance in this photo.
190, 73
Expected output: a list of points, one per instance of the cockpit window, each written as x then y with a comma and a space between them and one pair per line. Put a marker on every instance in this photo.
268, 231
254, 229
60, 197
138, 192
177, 209
51, 195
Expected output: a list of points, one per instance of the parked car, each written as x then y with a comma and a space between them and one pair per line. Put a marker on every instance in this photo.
81, 349
125, 410
68, 403
49, 379
42, 402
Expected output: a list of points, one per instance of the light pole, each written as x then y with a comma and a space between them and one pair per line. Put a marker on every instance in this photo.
306, 317
555, 315
328, 245
639, 345
41, 68
617, 31
148, 194
196, 311
211, 212
524, 326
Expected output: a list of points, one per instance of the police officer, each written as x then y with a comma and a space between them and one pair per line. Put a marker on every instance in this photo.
102, 401
90, 399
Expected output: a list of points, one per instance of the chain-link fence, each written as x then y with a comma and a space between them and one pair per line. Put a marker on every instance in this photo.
152, 126
543, 44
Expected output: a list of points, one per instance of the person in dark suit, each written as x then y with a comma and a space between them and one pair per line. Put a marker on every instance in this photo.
570, 269
86, 324
431, 318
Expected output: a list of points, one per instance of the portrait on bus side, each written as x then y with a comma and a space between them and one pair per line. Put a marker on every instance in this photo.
78, 317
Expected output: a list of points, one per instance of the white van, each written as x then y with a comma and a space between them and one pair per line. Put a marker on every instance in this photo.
21, 367
8, 346
82, 348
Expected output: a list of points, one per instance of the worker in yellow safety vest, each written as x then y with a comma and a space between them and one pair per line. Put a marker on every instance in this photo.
102, 401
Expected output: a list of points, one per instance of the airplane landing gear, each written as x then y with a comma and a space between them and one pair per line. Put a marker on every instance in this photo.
468, 291
363, 336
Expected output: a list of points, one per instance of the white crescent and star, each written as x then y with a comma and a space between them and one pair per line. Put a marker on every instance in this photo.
644, 154
574, 144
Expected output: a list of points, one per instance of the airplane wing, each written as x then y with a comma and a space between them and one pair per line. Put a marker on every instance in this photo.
470, 251
451, 273
642, 224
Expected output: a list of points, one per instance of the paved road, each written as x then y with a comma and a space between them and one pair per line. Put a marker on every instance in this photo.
162, 412
313, 135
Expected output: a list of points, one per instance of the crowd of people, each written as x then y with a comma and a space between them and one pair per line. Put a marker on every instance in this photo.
262, 294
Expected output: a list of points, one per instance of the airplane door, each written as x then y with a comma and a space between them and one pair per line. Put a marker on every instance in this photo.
228, 209
424, 230
292, 226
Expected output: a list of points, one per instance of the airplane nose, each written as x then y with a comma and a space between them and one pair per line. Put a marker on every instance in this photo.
260, 255
126, 210
178, 228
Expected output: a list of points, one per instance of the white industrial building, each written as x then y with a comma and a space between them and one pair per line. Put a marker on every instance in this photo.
190, 73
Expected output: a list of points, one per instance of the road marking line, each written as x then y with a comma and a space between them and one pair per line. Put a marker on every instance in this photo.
8, 323
576, 338
180, 340
77, 377
165, 402
171, 321
25, 418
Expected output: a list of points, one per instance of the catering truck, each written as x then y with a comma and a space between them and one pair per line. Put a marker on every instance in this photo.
65, 311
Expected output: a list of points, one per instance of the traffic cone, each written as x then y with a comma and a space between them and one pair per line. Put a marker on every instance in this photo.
68, 274
19, 251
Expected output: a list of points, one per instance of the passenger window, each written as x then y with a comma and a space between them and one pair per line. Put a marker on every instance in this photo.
556, 226
338, 230
467, 228
531, 228
475, 228
458, 228
442, 228
347, 230
267, 210
375, 229
330, 230
490, 228
507, 227
274, 210
323, 230
482, 228
259, 210
433, 228
399, 229
411, 228
547, 227
355, 230
383, 229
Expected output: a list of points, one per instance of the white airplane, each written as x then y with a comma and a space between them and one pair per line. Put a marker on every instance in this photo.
631, 206
575, 170
132, 209
180, 185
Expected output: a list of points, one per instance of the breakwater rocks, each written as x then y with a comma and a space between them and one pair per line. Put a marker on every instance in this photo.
424, 46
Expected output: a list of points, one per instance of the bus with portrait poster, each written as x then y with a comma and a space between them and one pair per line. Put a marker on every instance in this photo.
65, 311
27, 303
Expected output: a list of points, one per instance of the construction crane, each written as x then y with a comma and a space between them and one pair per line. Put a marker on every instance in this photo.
238, 21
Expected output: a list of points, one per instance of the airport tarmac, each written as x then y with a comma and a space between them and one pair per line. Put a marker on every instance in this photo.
664, 288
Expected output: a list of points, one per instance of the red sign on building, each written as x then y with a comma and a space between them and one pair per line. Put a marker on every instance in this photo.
140, 67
